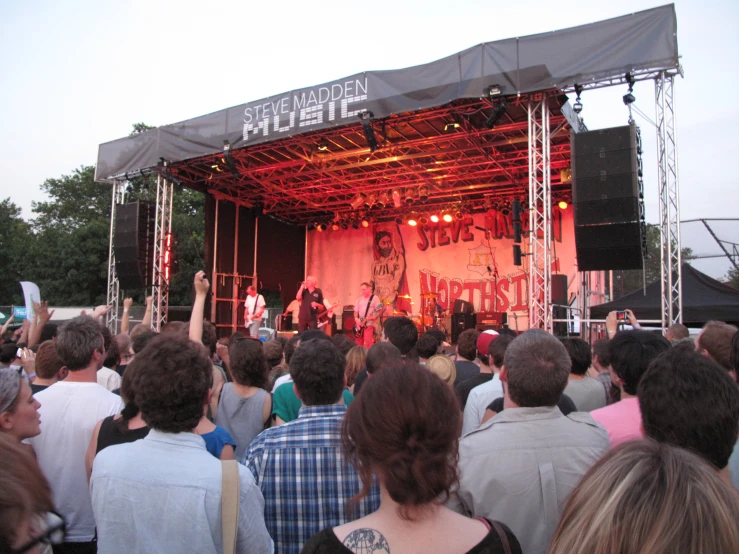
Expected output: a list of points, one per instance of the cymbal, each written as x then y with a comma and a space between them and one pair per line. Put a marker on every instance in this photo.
406, 296
429, 295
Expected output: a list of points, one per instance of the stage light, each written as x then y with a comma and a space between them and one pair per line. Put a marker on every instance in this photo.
577, 106
411, 196
397, 200
423, 193
370, 200
562, 205
629, 98
447, 217
355, 224
322, 145
493, 90
357, 201
459, 215
344, 225
423, 220
382, 200
369, 133
412, 221
334, 226
499, 110
451, 126
365, 222
505, 208
434, 218
398, 220
321, 227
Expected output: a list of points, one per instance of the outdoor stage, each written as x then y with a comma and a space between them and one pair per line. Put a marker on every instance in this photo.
312, 181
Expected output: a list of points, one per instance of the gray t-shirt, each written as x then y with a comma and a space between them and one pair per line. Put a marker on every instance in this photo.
587, 393
241, 417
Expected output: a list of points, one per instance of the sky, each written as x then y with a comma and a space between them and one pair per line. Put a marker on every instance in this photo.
79, 73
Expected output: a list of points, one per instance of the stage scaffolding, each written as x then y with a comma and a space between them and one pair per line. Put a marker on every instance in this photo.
111, 319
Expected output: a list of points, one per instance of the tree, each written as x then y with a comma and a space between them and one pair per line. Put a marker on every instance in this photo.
626, 282
732, 278
15, 238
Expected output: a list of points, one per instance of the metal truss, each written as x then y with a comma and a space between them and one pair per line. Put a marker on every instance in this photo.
112, 297
540, 210
669, 200
162, 227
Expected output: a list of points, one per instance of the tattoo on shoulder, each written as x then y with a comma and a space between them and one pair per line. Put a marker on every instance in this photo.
366, 541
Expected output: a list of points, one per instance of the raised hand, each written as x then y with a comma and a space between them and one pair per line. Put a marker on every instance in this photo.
127, 303
201, 284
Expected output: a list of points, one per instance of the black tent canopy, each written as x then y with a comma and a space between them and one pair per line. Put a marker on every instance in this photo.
704, 299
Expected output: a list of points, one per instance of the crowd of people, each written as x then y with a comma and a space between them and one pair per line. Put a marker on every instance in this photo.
179, 441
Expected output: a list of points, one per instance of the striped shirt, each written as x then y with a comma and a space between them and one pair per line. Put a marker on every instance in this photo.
304, 478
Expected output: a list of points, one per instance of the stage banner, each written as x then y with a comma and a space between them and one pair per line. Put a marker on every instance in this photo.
470, 258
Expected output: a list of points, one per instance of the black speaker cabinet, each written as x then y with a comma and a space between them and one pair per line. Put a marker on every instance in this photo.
462, 322
347, 319
605, 196
133, 244
559, 289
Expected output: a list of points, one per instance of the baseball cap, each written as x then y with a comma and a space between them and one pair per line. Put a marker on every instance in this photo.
484, 340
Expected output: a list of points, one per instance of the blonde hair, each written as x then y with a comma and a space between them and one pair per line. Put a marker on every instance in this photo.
443, 366
356, 359
651, 498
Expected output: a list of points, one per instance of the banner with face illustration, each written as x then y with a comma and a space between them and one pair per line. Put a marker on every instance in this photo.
470, 259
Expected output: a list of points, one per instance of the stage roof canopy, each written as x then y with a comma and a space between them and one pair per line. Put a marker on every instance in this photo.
453, 131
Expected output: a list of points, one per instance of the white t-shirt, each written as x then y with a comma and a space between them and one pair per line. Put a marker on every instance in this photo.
69, 412
109, 379
249, 304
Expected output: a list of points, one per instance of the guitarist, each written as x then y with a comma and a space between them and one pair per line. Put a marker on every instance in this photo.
253, 310
311, 302
365, 314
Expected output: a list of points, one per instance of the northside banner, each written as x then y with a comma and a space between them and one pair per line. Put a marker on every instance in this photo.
470, 259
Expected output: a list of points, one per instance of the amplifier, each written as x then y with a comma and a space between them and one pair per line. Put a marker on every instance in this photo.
492, 319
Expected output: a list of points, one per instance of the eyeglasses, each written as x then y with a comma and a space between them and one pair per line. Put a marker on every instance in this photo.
48, 528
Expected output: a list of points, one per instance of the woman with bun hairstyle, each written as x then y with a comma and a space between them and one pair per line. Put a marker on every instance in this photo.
403, 431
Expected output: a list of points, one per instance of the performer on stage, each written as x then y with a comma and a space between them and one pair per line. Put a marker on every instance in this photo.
365, 314
311, 304
253, 310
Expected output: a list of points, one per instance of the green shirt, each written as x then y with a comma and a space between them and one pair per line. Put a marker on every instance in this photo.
286, 404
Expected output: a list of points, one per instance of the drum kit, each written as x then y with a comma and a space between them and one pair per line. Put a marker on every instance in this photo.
431, 317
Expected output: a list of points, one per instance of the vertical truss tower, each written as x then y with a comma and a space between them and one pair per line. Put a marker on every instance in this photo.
162, 227
111, 319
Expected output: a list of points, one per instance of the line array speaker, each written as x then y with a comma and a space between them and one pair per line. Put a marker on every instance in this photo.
133, 244
607, 195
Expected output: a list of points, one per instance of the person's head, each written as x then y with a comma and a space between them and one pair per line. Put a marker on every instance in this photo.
25, 500
173, 377
677, 331
535, 366
290, 348
174, 327
343, 343
48, 332
401, 332
631, 353
7, 352
273, 353
251, 290
313, 334
427, 346
48, 363
645, 496
412, 448
142, 340
467, 344
139, 329
496, 350
443, 367
317, 369
602, 355
440, 337
365, 289
689, 401
310, 281
124, 347
579, 352
247, 363
355, 361
384, 242
19, 415
382, 355
112, 355
80, 344
484, 340
714, 341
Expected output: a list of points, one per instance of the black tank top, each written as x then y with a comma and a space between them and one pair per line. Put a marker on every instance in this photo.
110, 435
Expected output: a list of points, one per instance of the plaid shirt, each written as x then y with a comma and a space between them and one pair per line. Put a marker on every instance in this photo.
305, 480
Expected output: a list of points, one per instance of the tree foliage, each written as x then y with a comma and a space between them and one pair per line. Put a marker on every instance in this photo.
64, 249
732, 278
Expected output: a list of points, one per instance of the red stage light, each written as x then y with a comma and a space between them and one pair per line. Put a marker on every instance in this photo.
434, 218
365, 223
412, 221
448, 218
563, 205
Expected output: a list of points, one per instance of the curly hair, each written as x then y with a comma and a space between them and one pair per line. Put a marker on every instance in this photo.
317, 369
171, 378
413, 447
467, 344
247, 363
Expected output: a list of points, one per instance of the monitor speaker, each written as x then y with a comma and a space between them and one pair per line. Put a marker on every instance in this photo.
559, 289
133, 244
606, 185
347, 320
462, 322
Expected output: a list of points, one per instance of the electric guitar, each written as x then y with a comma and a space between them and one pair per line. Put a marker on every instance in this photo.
322, 317
362, 321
